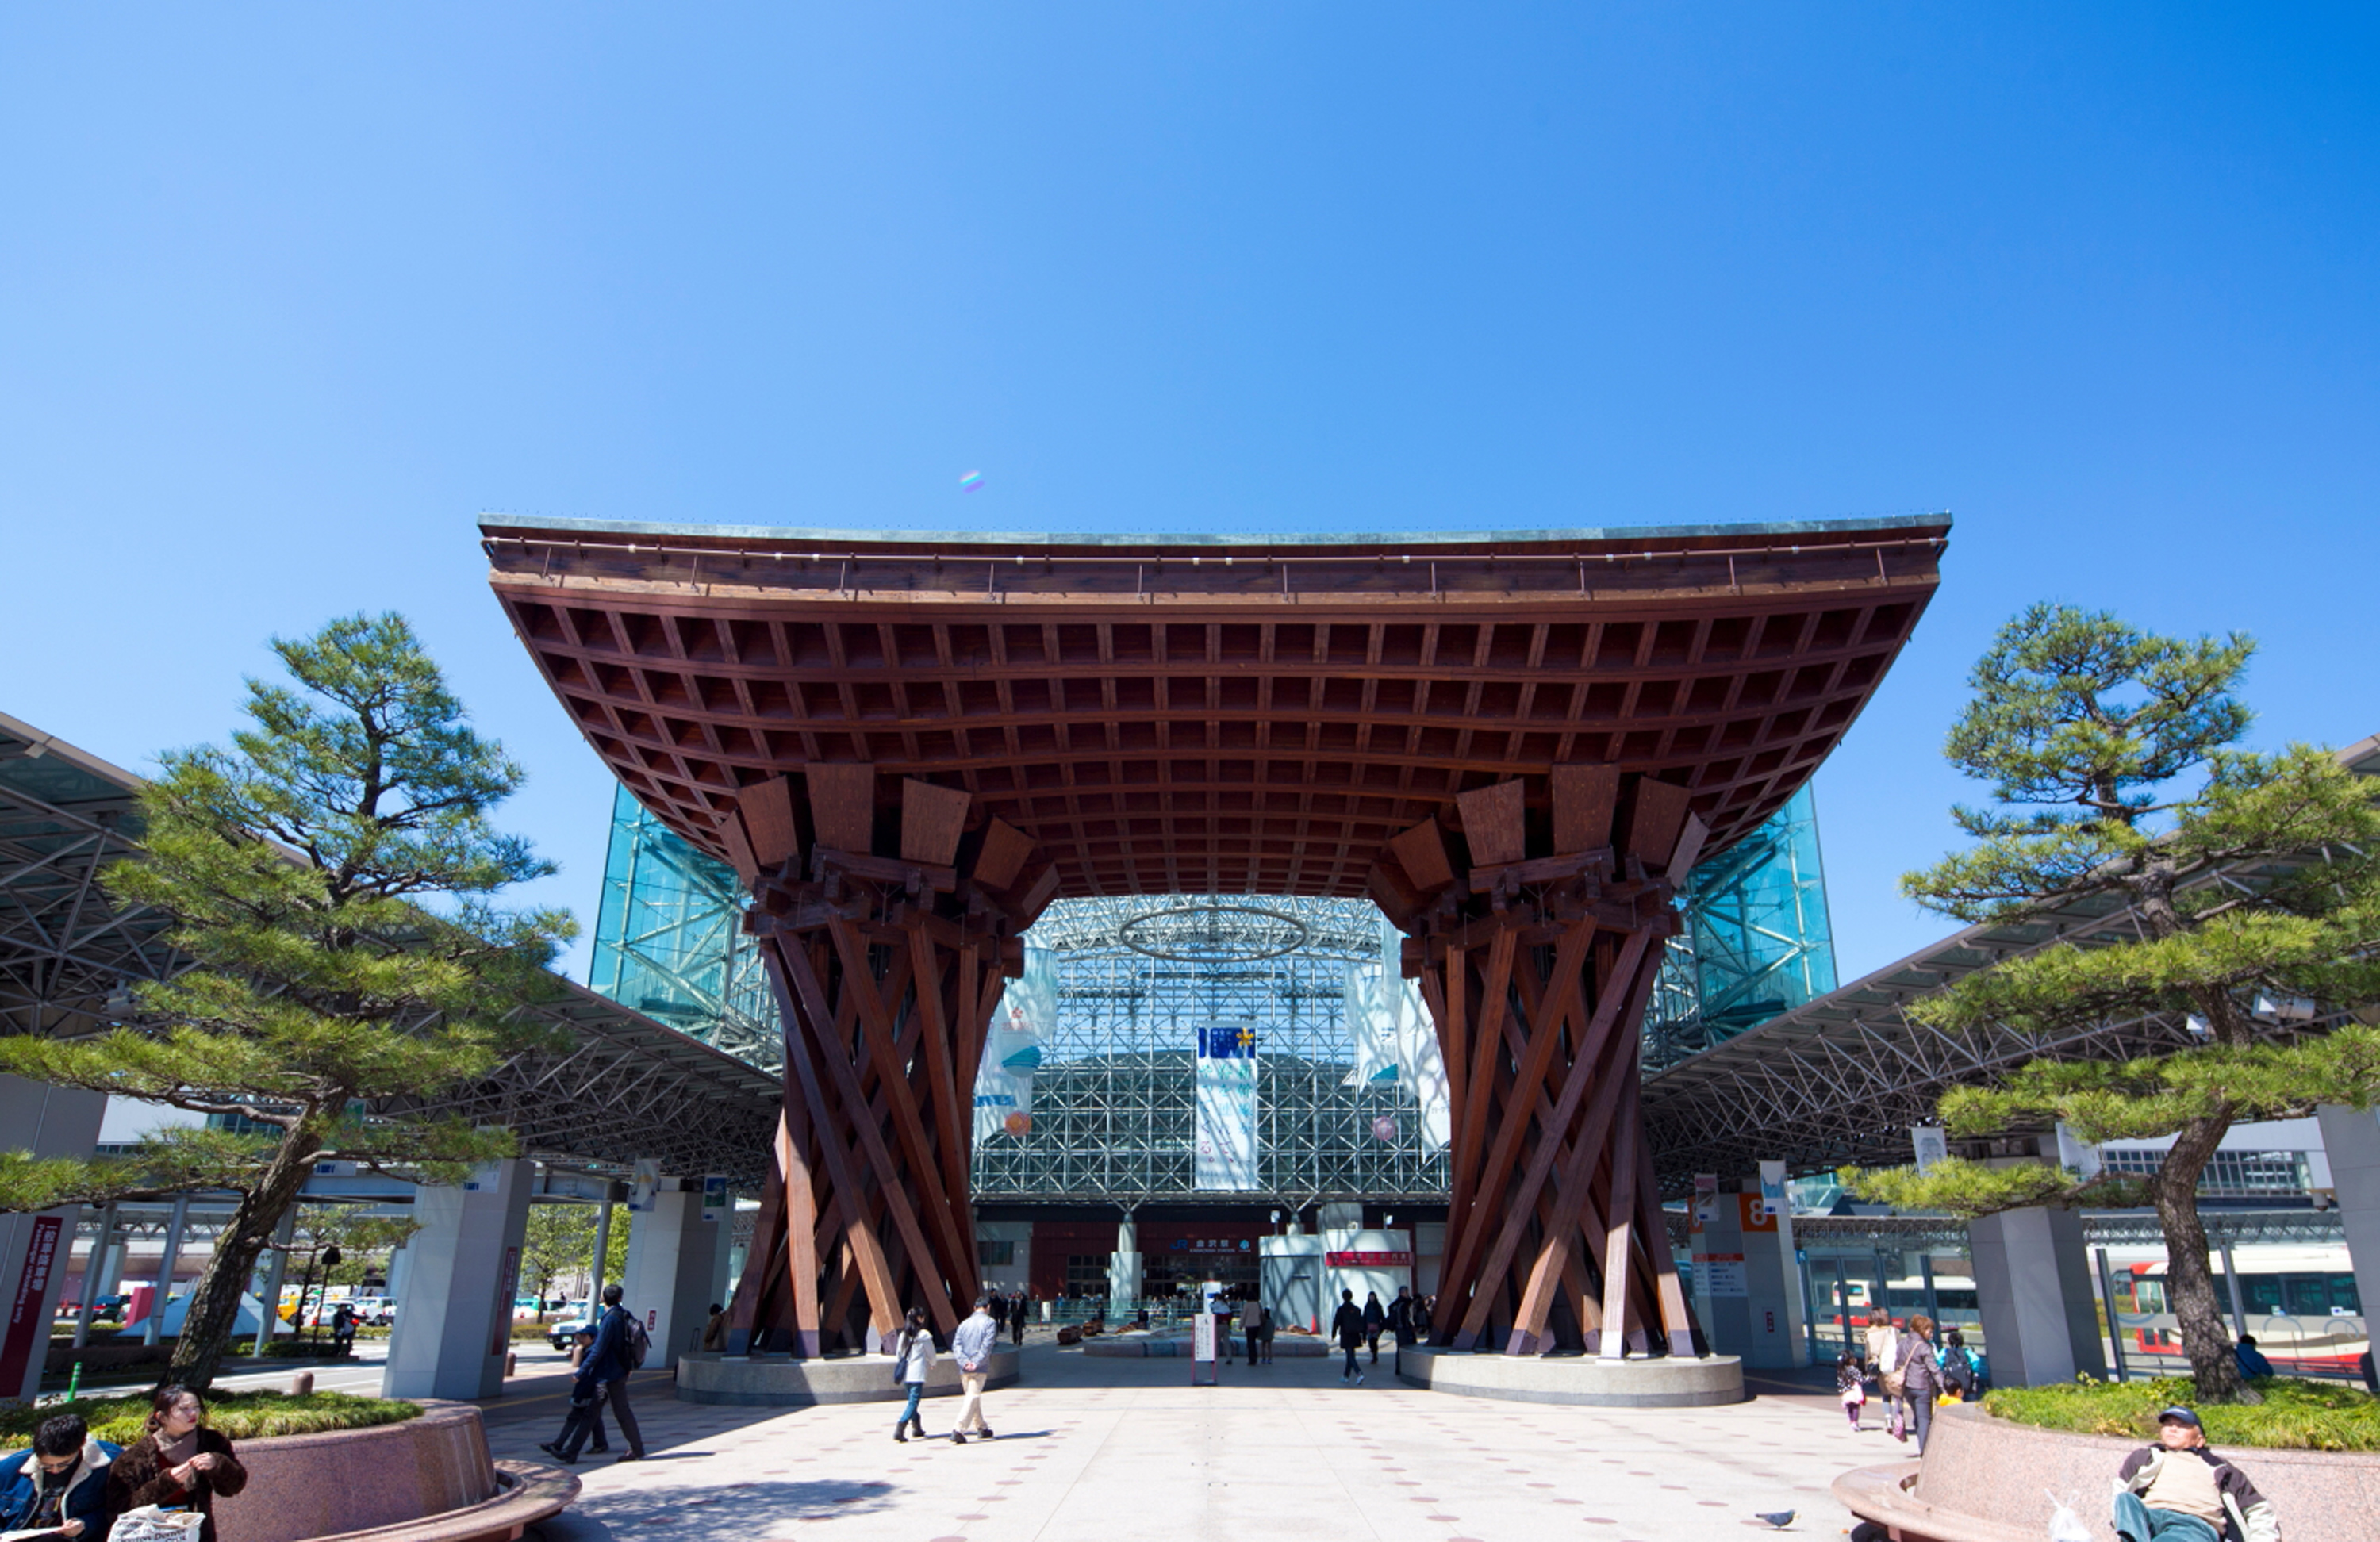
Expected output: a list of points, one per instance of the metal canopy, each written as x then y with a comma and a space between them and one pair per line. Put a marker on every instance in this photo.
1840, 1080
626, 1088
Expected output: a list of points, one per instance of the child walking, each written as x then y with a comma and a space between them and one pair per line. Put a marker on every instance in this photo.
1850, 1385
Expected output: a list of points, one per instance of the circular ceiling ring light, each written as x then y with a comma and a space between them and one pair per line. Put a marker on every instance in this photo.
1214, 934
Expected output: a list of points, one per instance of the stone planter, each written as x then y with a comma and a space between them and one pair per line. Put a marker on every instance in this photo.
1990, 1480
429, 1480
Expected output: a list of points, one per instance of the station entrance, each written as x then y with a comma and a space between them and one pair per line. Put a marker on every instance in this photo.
909, 747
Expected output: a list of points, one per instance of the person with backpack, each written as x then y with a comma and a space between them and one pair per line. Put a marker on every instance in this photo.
1959, 1372
913, 1359
621, 1345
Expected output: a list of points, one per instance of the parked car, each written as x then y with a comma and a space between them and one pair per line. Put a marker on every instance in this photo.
373, 1311
567, 1322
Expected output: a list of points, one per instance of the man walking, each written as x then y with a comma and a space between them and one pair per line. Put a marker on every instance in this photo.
2179, 1491
971, 1345
1401, 1321
1017, 1307
619, 1340
1347, 1326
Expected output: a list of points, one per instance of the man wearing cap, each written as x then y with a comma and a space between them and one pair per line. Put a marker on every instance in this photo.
2178, 1489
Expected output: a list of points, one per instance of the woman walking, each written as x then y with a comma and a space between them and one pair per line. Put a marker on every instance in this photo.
913, 1356
178, 1464
1920, 1379
1883, 1346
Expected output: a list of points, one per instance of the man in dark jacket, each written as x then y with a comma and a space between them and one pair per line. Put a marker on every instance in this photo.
1401, 1316
61, 1483
1376, 1320
1347, 1326
2180, 1490
604, 1373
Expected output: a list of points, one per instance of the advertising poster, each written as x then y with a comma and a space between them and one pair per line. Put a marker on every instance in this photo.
715, 1197
1225, 1153
644, 1182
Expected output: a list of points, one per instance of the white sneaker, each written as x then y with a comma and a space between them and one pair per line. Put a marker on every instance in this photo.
1359, 1379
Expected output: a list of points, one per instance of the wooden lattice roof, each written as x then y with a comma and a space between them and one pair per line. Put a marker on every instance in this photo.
1214, 714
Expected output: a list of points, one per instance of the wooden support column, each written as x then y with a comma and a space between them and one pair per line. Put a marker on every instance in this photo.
886, 924
1537, 957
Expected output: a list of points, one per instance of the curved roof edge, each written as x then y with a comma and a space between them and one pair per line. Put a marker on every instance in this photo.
492, 521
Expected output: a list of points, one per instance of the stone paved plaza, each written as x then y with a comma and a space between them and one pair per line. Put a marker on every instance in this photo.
1103, 1449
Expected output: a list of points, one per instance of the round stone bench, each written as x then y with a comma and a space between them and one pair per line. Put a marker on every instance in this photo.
1991, 1480
429, 1480
781, 1381
1667, 1381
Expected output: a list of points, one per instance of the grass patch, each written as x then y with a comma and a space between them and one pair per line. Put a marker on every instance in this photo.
2301, 1416
240, 1415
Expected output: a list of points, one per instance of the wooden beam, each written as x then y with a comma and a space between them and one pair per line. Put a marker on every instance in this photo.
1584, 799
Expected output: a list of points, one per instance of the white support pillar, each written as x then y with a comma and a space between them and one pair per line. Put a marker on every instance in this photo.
602, 1251
47, 1121
674, 1260
455, 1320
2350, 1138
2033, 1289
152, 1328
91, 1267
1749, 1282
276, 1268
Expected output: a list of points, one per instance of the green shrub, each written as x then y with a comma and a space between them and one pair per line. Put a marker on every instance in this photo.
2304, 1415
240, 1415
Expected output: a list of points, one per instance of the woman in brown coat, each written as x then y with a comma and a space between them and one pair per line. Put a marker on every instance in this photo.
179, 1464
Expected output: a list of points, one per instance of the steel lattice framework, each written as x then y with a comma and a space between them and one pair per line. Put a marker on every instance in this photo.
1112, 1117
622, 1087
1841, 1079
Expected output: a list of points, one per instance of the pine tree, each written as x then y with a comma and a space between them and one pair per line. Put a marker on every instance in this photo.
2248, 882
330, 878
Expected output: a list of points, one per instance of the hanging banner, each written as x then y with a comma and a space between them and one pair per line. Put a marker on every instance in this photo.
1396, 1044
1225, 1153
715, 1203
644, 1182
1931, 1143
1011, 1051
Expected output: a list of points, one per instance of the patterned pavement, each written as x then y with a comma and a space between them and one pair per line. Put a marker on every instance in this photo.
1111, 1450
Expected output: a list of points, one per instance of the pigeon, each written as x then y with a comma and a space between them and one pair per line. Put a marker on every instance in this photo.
1781, 1519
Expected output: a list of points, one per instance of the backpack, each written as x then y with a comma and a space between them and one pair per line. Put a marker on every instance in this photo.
635, 1344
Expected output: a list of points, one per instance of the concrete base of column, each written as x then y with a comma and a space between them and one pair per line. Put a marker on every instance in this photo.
453, 1321
2032, 1287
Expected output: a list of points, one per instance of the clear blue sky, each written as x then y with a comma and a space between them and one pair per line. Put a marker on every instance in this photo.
288, 296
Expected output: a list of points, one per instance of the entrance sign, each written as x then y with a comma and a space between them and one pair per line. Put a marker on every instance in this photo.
1225, 1155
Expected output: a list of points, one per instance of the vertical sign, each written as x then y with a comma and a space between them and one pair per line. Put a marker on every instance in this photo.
1225, 1154
714, 1197
507, 1285
25, 1302
644, 1182
1931, 1143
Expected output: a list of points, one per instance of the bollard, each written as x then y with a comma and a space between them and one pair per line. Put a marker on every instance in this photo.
510, 1360
301, 1384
